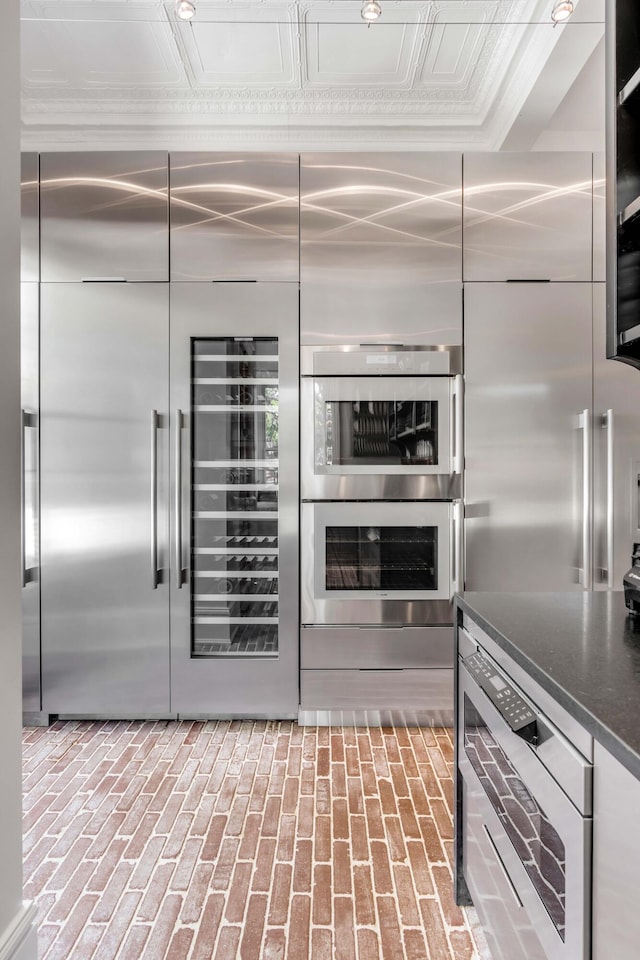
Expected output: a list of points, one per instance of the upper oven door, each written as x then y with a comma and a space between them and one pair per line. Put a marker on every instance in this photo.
386, 437
376, 562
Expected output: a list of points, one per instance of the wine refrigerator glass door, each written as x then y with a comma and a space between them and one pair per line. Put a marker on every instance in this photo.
234, 413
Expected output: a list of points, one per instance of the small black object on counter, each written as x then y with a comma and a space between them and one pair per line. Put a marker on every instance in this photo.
631, 583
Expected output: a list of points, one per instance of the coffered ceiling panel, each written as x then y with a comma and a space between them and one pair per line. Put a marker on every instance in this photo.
452, 73
87, 53
346, 54
227, 52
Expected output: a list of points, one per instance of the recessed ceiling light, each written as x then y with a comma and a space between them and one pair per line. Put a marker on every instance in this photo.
371, 10
185, 9
562, 10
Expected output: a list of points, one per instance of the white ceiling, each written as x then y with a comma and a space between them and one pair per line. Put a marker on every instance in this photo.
450, 74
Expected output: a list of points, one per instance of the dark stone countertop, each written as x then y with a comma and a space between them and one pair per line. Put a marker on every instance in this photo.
582, 648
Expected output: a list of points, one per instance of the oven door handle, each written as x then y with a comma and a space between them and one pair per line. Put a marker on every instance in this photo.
457, 567
505, 872
458, 455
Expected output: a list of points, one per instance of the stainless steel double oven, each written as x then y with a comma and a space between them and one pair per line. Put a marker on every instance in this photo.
380, 452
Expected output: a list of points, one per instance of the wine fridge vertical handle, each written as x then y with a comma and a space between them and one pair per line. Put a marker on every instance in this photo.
178, 500
610, 427
457, 425
587, 560
154, 499
24, 419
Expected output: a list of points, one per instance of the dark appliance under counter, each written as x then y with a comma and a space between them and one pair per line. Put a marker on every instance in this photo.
573, 661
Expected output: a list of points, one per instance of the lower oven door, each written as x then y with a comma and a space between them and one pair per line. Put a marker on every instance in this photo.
376, 563
526, 848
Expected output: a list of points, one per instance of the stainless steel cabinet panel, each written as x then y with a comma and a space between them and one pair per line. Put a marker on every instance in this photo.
380, 247
527, 216
428, 691
104, 215
362, 647
527, 443
599, 218
218, 530
29, 218
30, 560
104, 467
616, 860
234, 216
616, 402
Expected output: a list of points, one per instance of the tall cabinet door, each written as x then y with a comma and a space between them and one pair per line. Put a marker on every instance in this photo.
234, 413
104, 468
616, 402
528, 436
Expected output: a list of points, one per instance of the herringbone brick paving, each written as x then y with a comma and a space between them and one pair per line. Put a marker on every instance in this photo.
239, 839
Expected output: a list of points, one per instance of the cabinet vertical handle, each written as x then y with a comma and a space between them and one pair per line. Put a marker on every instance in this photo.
178, 500
23, 506
154, 499
610, 426
587, 560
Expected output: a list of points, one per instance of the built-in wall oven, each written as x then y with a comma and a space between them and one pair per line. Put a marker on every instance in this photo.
375, 563
380, 531
380, 422
525, 797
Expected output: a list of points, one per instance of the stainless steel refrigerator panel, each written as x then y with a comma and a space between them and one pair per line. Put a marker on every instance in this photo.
238, 683
104, 468
527, 216
29, 218
234, 216
599, 218
30, 559
380, 247
616, 401
104, 216
335, 648
528, 436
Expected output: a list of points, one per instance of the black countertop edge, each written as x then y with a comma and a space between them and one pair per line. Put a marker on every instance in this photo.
597, 727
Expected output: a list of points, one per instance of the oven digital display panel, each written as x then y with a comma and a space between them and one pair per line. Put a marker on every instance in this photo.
381, 558
535, 839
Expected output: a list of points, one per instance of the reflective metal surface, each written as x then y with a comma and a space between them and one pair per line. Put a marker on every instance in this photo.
104, 215
225, 328
380, 422
380, 247
616, 860
425, 692
527, 381
30, 401
561, 920
363, 431
408, 599
616, 387
105, 630
29, 218
234, 216
375, 647
599, 218
527, 216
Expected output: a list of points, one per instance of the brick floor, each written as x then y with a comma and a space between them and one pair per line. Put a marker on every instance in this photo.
253, 840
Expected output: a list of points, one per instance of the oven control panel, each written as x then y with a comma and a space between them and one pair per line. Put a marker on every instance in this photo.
517, 713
